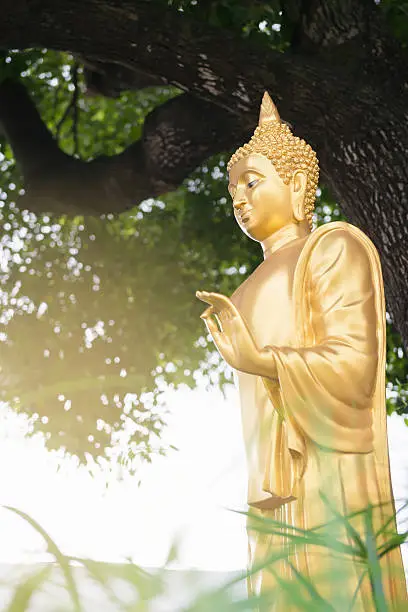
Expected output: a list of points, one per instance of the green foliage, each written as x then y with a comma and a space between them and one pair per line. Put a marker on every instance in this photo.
366, 549
252, 20
27, 588
396, 12
98, 315
346, 544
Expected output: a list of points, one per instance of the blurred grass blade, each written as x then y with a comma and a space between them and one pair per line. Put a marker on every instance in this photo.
101, 578
354, 599
390, 544
318, 600
147, 584
344, 520
391, 519
294, 592
374, 569
268, 521
27, 588
309, 537
305, 536
53, 549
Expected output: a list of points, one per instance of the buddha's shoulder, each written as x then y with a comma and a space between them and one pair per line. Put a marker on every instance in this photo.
333, 239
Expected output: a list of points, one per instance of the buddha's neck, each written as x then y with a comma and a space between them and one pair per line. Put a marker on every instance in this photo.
285, 234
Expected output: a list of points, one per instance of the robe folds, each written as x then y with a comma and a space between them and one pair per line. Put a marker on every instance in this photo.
318, 424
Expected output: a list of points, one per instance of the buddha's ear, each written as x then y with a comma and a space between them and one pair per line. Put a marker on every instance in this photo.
298, 184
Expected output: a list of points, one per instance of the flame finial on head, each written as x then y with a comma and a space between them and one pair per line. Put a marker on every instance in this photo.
288, 153
268, 111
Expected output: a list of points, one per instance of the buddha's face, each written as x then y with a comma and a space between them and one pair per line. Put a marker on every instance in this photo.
262, 202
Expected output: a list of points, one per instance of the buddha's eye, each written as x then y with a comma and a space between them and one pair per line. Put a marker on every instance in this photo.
252, 183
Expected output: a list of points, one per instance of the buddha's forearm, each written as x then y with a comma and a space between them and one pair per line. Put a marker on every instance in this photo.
330, 364
264, 363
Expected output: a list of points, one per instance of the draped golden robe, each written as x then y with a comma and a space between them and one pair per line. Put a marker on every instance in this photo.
320, 426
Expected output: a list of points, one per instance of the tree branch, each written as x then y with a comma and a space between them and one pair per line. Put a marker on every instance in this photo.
177, 137
109, 80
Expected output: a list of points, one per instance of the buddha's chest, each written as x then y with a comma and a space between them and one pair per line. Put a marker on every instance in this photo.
265, 299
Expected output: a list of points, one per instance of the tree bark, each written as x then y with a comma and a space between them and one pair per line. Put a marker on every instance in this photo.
177, 137
343, 86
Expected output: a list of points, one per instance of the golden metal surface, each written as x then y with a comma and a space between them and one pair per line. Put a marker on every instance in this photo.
305, 335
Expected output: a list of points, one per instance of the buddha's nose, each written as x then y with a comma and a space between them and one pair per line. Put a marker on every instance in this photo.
239, 200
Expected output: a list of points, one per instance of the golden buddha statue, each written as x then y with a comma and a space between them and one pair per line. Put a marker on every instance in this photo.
305, 335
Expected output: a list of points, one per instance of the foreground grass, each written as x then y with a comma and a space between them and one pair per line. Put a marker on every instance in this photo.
301, 593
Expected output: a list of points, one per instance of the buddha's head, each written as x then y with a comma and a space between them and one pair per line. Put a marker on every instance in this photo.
273, 178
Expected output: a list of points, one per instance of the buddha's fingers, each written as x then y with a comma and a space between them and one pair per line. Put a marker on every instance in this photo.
214, 332
221, 303
207, 312
220, 340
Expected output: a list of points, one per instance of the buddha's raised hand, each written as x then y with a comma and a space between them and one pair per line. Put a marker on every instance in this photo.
233, 339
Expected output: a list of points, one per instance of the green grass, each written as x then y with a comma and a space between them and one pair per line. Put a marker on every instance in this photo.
301, 593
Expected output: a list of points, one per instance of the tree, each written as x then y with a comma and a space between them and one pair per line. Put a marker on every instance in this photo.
134, 101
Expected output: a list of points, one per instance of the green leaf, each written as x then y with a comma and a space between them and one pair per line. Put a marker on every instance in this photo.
27, 588
56, 552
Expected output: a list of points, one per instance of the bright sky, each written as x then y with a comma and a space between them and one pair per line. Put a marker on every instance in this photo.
185, 495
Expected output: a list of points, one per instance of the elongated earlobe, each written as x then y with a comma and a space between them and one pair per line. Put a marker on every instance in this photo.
299, 181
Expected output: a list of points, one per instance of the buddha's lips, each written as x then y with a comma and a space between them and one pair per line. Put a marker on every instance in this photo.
244, 217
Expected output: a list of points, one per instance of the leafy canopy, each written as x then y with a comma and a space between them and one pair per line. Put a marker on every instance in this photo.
98, 315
